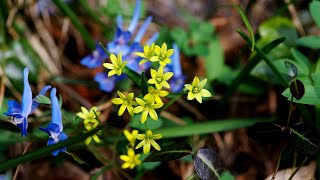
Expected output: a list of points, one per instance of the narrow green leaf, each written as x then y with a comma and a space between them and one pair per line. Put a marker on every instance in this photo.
144, 84
101, 172
133, 75
43, 99
208, 127
92, 13
265, 58
310, 42
151, 124
306, 138
292, 69
76, 22
170, 152
44, 151
314, 7
297, 89
247, 24
214, 61
208, 164
76, 158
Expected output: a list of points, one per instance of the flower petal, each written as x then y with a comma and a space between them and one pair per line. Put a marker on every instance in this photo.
205, 93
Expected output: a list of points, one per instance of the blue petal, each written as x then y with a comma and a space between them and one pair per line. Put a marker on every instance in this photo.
62, 137
13, 108
153, 38
56, 112
105, 83
177, 83
119, 21
142, 29
23, 127
176, 61
51, 127
135, 17
43, 91
27, 95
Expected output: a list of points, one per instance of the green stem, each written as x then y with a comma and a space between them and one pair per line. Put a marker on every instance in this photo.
300, 166
76, 22
290, 111
277, 168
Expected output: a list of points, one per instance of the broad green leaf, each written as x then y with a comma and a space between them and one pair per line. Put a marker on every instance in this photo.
311, 95
316, 79
310, 42
150, 123
247, 24
214, 61
314, 7
208, 164
76, 158
170, 152
43, 99
297, 89
227, 176
317, 69
208, 127
306, 139
291, 68
302, 60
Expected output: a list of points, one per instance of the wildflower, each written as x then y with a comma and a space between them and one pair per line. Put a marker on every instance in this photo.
148, 140
126, 103
159, 79
148, 52
196, 89
106, 83
131, 136
116, 66
20, 113
177, 80
55, 128
131, 160
88, 115
95, 137
147, 107
96, 58
156, 94
162, 55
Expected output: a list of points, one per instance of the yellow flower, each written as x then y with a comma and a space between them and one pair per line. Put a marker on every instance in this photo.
148, 52
94, 137
90, 124
131, 160
147, 106
126, 103
131, 136
159, 79
196, 89
162, 55
148, 140
116, 66
156, 94
88, 115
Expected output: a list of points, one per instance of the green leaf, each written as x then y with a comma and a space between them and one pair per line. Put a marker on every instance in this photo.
43, 99
291, 68
144, 84
311, 95
44, 151
76, 158
310, 42
133, 75
170, 152
302, 60
208, 164
150, 123
214, 61
306, 138
227, 176
208, 127
314, 7
247, 24
101, 172
297, 89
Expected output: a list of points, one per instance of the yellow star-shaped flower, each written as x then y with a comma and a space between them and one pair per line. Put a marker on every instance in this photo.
126, 103
116, 65
88, 115
131, 160
147, 107
156, 94
162, 55
131, 136
159, 79
196, 89
148, 52
148, 141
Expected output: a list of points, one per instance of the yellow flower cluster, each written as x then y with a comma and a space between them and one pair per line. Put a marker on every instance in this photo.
90, 122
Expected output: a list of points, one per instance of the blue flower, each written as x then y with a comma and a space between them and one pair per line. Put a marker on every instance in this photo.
177, 81
55, 128
20, 113
96, 58
105, 83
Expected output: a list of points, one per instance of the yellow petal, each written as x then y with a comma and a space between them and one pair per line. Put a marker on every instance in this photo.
113, 59
205, 93
202, 83
188, 86
155, 145
152, 81
146, 148
122, 109
154, 59
124, 158
117, 101
190, 96
198, 97
157, 136
81, 115
122, 96
125, 165
153, 73
88, 140
140, 54
195, 81
140, 136
138, 109
165, 84
112, 72
143, 142
153, 114
96, 138
108, 65
140, 101
167, 76
144, 116
169, 52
